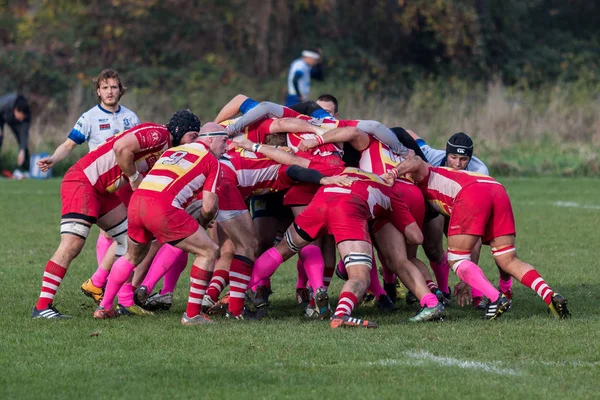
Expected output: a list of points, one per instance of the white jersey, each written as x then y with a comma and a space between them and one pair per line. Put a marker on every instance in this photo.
299, 66
98, 124
437, 158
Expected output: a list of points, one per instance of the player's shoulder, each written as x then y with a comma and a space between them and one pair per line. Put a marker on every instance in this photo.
125, 110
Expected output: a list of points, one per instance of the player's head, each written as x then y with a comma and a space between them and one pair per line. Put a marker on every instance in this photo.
329, 103
109, 88
459, 151
21, 109
215, 137
311, 57
183, 127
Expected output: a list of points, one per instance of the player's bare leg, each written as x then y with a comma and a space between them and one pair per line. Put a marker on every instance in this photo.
505, 256
392, 248
358, 262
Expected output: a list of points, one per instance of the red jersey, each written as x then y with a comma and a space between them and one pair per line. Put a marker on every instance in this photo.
442, 185
376, 192
100, 165
256, 174
181, 174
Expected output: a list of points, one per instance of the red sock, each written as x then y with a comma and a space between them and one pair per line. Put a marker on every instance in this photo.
199, 279
219, 281
53, 275
534, 281
239, 277
346, 304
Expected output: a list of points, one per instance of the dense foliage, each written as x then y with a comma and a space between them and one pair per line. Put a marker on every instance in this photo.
383, 46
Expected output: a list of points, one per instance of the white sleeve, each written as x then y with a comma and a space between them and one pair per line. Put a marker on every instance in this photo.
476, 165
434, 157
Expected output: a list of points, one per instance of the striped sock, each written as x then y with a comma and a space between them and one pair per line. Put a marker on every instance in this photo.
346, 304
199, 279
219, 281
53, 275
534, 281
239, 277
432, 286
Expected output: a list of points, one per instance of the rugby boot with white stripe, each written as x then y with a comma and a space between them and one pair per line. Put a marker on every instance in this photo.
344, 321
48, 313
495, 309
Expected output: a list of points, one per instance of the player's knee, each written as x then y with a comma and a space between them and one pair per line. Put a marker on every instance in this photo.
119, 233
456, 258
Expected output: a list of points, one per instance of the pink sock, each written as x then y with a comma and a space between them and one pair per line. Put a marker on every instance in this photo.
469, 272
173, 273
302, 278
99, 278
125, 295
429, 300
388, 276
102, 246
265, 266
163, 261
441, 271
375, 285
119, 274
314, 265
342, 268
505, 286
475, 293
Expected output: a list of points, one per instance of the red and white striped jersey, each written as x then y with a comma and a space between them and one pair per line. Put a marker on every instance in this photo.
378, 158
442, 185
100, 165
181, 174
256, 174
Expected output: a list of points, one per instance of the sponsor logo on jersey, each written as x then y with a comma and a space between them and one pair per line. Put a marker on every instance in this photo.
103, 120
126, 123
104, 127
79, 124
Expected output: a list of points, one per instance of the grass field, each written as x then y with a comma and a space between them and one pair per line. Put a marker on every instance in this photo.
526, 354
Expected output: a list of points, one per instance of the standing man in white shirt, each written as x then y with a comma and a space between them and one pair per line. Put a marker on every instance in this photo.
301, 71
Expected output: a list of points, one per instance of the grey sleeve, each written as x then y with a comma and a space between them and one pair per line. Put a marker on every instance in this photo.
266, 109
476, 165
384, 135
21, 131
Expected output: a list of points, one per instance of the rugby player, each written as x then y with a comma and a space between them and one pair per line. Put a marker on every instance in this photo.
88, 197
158, 209
479, 209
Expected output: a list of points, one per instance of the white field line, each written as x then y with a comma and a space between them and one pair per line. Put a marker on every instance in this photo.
564, 204
456, 363
423, 358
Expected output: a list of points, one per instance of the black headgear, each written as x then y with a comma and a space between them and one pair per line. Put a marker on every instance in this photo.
181, 122
460, 143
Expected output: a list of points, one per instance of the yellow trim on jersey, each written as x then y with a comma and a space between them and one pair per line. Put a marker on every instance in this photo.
464, 171
439, 206
179, 171
368, 175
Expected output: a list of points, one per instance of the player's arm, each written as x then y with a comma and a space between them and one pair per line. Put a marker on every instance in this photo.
275, 154
296, 84
309, 175
413, 165
384, 135
125, 149
293, 125
59, 154
356, 137
263, 110
210, 200
231, 109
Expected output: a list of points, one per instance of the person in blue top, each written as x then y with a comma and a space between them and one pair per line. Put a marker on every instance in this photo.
300, 74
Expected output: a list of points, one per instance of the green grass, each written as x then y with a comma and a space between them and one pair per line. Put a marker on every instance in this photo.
525, 354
